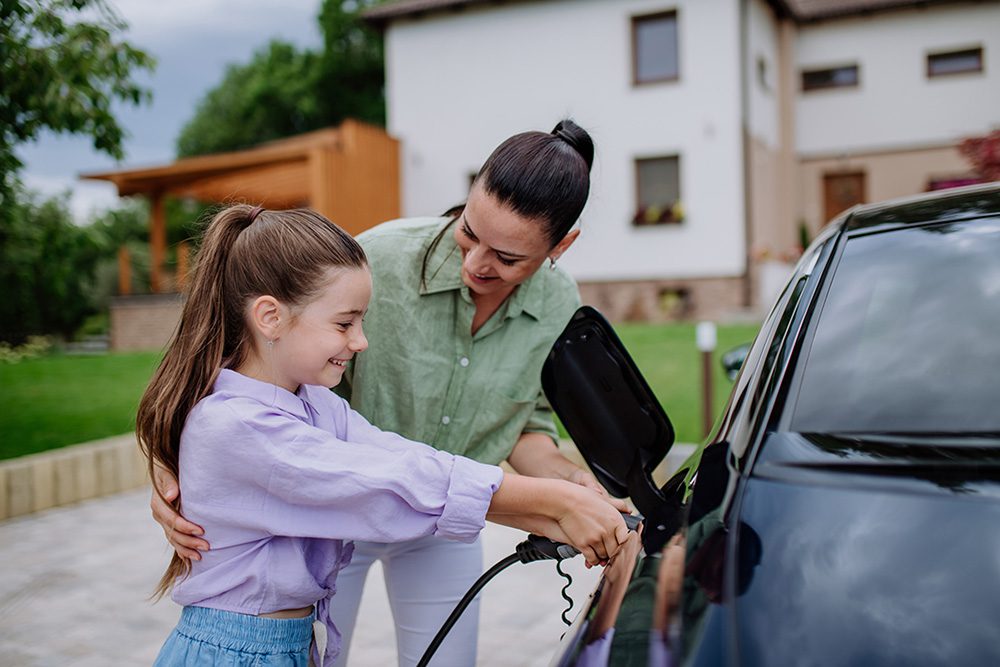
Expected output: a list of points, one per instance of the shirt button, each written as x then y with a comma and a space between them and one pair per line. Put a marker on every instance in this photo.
446, 420
463, 362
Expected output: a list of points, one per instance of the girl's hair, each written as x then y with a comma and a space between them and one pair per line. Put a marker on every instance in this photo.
539, 176
246, 252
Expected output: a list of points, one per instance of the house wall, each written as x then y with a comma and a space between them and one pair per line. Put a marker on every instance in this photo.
459, 83
898, 127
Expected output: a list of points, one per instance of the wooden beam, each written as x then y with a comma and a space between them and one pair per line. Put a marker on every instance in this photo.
124, 271
157, 242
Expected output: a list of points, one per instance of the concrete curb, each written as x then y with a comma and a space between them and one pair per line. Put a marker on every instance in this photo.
70, 474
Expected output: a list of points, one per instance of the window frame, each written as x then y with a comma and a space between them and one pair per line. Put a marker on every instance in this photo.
830, 86
634, 23
636, 202
931, 55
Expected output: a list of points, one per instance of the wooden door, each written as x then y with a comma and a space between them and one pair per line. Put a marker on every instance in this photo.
842, 191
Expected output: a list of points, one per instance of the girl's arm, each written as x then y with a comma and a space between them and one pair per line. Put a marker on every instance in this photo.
562, 511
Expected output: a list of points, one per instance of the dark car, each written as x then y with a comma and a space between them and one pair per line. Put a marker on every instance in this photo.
846, 509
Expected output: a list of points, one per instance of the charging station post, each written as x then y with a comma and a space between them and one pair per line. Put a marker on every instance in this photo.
705, 340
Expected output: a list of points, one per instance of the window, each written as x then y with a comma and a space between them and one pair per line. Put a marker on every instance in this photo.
955, 62
658, 191
833, 77
654, 48
906, 340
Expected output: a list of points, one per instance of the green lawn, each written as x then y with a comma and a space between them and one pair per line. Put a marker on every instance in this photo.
668, 359
62, 400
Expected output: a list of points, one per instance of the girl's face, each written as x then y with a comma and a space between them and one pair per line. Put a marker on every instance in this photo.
500, 249
322, 336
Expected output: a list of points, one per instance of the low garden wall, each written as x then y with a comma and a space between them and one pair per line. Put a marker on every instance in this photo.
70, 474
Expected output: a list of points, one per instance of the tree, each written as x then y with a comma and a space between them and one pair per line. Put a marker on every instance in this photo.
46, 266
270, 97
283, 91
984, 154
62, 68
63, 74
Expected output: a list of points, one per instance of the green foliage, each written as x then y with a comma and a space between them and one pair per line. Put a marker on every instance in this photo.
49, 265
283, 91
45, 264
272, 96
63, 74
33, 348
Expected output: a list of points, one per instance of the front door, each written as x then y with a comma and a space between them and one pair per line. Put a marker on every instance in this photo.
842, 191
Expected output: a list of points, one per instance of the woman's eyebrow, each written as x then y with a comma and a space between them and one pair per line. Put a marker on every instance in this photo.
515, 255
355, 311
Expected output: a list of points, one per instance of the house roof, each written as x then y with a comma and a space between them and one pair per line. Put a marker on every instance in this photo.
802, 11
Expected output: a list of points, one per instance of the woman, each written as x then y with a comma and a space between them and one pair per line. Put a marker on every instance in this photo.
464, 311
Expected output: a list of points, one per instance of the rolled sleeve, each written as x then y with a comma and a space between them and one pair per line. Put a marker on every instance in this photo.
541, 419
467, 500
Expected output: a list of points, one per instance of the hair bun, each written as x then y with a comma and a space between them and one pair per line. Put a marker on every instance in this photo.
577, 137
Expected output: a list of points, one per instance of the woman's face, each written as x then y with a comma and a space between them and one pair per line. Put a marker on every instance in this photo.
500, 248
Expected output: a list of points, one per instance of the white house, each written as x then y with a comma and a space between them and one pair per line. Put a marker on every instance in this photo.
725, 129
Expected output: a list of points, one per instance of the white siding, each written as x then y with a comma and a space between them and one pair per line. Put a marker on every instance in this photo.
762, 45
459, 83
896, 105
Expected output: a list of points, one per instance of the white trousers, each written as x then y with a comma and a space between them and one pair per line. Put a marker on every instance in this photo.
425, 579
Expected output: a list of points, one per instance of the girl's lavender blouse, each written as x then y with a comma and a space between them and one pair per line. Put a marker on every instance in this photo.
282, 482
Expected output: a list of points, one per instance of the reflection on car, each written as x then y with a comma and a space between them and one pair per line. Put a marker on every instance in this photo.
846, 508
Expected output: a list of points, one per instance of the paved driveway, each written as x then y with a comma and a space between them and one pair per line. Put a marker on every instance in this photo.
75, 582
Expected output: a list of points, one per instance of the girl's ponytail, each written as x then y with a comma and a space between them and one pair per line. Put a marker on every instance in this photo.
198, 350
246, 252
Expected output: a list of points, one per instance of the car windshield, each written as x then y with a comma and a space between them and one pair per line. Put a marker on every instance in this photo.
908, 340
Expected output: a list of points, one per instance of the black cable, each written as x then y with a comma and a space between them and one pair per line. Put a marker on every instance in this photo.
457, 612
565, 595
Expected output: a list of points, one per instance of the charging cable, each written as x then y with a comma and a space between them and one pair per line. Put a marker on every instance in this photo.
533, 549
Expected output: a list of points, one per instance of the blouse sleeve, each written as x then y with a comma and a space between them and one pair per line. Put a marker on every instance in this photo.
283, 476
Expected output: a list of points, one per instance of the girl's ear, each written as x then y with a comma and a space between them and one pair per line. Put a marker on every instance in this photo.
266, 314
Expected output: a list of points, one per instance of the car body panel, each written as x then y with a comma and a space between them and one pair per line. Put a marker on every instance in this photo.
841, 546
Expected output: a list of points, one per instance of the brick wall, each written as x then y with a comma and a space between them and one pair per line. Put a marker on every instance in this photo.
144, 322
665, 300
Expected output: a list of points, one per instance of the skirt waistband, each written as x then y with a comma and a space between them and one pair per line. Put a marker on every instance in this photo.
244, 631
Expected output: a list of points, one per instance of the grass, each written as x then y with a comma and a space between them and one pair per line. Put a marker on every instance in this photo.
667, 357
62, 400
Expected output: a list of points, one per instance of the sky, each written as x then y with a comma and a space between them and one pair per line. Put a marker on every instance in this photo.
193, 41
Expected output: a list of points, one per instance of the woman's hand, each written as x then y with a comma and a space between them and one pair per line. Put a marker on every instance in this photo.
586, 479
181, 533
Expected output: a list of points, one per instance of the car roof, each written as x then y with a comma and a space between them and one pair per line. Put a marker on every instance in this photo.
973, 201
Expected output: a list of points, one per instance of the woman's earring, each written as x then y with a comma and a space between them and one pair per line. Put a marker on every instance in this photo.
270, 344
552, 263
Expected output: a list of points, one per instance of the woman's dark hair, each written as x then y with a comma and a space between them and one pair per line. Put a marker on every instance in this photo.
540, 176
246, 252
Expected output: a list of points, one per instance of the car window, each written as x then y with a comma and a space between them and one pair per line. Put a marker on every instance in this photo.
907, 340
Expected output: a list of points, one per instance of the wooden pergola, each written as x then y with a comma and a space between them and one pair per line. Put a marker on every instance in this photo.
348, 173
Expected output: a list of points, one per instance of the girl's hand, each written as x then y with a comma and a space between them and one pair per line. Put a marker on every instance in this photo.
592, 524
180, 533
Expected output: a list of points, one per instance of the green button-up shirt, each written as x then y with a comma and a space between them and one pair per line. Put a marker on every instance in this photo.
425, 375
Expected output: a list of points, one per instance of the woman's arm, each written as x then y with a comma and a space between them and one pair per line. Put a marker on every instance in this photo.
182, 535
536, 455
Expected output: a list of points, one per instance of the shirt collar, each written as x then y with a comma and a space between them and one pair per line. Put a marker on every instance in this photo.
231, 382
444, 273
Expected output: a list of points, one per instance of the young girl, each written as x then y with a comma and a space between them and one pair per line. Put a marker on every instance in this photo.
280, 472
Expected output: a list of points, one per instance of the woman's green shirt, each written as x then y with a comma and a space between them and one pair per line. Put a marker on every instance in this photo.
424, 375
